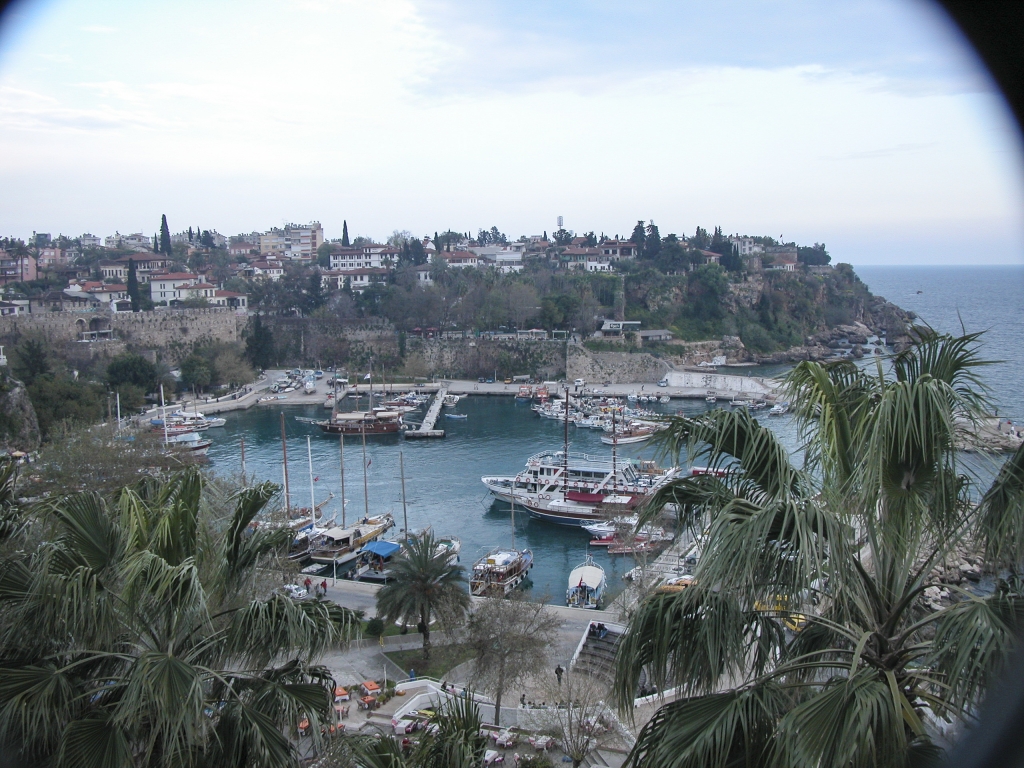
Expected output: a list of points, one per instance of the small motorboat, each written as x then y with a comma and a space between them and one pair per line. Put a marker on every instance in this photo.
586, 585
457, 416
779, 409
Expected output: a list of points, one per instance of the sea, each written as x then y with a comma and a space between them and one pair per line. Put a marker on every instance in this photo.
442, 477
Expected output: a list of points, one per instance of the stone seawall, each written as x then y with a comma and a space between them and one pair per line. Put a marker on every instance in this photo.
614, 367
174, 332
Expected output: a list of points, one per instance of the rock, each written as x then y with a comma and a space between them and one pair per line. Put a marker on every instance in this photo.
857, 338
932, 593
858, 351
19, 428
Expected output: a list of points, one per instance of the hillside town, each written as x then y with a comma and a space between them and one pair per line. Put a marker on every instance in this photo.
192, 268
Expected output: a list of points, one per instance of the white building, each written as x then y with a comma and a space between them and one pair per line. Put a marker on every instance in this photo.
90, 241
293, 240
171, 287
372, 256
745, 246
458, 259
503, 257
358, 280
136, 241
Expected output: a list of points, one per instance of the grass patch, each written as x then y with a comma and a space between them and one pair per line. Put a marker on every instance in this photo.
443, 658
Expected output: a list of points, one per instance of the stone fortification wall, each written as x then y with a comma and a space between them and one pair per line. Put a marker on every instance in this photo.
615, 367
719, 382
471, 358
173, 332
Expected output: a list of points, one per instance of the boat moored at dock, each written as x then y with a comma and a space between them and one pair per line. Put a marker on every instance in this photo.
499, 572
374, 422
587, 583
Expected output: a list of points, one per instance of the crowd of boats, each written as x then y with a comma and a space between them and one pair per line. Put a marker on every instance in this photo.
181, 431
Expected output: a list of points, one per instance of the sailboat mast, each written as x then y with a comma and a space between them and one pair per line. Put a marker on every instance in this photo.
284, 454
513, 500
405, 513
312, 496
163, 414
615, 445
366, 492
565, 451
341, 446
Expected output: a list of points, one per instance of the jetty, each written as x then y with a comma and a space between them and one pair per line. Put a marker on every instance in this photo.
426, 428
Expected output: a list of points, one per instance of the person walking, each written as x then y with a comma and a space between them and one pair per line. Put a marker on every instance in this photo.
558, 673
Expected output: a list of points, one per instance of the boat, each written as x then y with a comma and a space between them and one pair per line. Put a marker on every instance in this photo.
664, 399
631, 434
525, 393
739, 403
374, 422
450, 401
576, 488
338, 546
586, 585
456, 416
711, 397
499, 572
309, 386
452, 545
779, 409
189, 442
374, 562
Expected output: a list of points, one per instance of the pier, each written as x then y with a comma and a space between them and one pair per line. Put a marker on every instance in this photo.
426, 429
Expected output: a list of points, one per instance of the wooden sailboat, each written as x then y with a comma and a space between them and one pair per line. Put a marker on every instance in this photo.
500, 571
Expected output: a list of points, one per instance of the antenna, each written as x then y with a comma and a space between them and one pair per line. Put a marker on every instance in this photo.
560, 220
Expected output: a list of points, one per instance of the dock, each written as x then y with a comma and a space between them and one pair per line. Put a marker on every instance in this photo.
426, 429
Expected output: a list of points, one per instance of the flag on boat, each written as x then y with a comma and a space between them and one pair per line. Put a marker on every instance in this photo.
316, 479
368, 463
366, 377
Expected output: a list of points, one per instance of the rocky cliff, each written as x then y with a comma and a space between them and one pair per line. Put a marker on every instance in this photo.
19, 428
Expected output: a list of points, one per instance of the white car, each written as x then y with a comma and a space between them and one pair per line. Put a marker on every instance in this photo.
663, 383
579, 383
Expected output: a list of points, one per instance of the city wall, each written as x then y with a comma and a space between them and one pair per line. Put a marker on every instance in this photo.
172, 332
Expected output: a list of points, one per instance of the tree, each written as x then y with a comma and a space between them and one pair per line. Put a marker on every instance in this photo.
582, 723
130, 368
165, 237
323, 256
196, 372
423, 579
230, 368
344, 233
562, 237
816, 631
61, 400
31, 361
639, 237
133, 286
510, 639
259, 343
813, 256
652, 242
172, 648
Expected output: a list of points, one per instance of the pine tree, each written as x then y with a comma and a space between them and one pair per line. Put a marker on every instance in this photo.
652, 243
190, 234
133, 285
165, 237
344, 234
639, 237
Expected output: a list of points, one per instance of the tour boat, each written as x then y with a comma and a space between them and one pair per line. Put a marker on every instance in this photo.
586, 585
375, 422
577, 489
375, 562
499, 572
630, 434
452, 545
779, 409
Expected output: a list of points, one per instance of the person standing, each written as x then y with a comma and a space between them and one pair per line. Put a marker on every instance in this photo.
558, 673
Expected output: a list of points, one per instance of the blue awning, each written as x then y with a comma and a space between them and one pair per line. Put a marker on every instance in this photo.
382, 548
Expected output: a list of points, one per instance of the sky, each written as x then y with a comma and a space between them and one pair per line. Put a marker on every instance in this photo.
868, 125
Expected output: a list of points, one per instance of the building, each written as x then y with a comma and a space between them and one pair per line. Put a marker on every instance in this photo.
616, 328
51, 257
358, 280
230, 299
618, 249
423, 275
267, 270
782, 257
243, 248
136, 241
502, 257
292, 241
599, 262
458, 259
90, 241
145, 266
372, 256
745, 246
660, 334
710, 257
14, 268
169, 287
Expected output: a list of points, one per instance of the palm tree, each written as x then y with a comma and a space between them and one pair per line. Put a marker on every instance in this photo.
807, 636
423, 581
138, 632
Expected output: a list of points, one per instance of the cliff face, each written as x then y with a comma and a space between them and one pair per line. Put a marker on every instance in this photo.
19, 428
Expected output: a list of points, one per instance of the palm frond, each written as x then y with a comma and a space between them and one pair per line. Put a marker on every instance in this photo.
1000, 523
95, 741
265, 628
720, 730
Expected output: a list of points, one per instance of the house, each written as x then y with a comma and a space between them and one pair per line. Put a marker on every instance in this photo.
710, 257
343, 257
243, 248
618, 249
136, 241
105, 294
267, 270
358, 280
231, 299
145, 266
114, 270
423, 275
9, 308
458, 259
657, 335
616, 328
51, 257
782, 257
169, 287
598, 262
745, 246
90, 241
